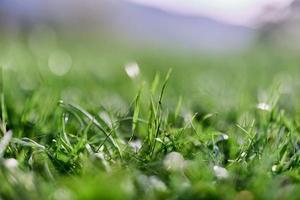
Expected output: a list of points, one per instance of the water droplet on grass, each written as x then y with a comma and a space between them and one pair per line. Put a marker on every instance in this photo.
66, 117
274, 168
225, 136
263, 106
11, 163
220, 172
132, 69
174, 161
243, 154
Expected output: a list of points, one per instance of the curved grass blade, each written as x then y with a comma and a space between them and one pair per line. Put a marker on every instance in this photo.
95, 122
27, 142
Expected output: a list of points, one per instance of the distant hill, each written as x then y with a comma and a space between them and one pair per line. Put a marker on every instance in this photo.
157, 26
137, 24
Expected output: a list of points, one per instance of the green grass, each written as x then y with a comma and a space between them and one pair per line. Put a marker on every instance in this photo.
212, 127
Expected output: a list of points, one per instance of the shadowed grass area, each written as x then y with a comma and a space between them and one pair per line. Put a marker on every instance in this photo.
213, 127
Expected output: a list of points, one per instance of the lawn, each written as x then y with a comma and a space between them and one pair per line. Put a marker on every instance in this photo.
90, 121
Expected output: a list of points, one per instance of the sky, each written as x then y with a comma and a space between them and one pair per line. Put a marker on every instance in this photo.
241, 12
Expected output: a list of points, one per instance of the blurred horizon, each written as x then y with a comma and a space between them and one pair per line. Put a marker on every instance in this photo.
208, 27
236, 12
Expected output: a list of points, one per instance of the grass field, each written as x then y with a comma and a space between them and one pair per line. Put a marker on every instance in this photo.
118, 124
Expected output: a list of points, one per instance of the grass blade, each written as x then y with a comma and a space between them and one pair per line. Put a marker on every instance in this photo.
136, 111
95, 122
4, 142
